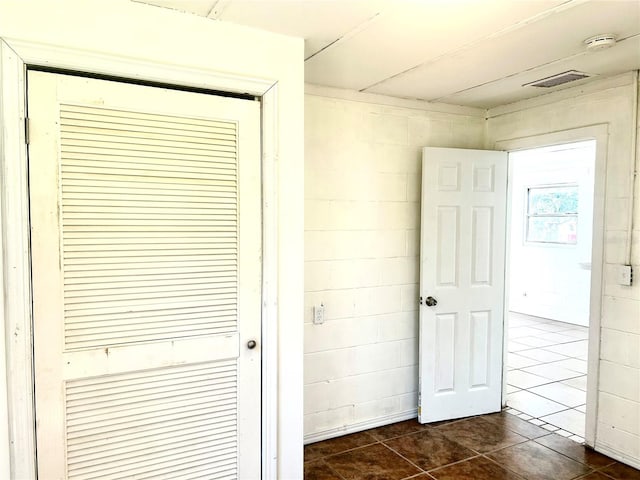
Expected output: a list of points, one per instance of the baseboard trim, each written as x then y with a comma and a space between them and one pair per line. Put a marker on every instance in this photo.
360, 426
617, 455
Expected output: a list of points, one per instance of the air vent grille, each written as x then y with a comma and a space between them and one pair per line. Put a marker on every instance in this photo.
559, 79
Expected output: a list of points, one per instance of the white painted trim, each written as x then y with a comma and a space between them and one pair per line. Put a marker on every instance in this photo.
600, 133
600, 85
375, 98
16, 306
617, 455
16, 303
270, 151
360, 426
44, 55
634, 167
507, 283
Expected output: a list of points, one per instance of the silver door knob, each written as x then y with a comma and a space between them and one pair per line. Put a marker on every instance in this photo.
430, 302
251, 344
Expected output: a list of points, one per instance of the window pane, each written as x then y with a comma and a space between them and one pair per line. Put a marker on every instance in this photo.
552, 229
553, 200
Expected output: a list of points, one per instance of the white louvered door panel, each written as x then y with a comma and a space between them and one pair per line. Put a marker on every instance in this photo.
145, 215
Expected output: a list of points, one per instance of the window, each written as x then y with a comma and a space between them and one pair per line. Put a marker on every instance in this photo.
552, 214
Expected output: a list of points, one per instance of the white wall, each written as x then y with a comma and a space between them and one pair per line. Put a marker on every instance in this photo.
551, 280
141, 34
361, 227
362, 210
361, 237
610, 102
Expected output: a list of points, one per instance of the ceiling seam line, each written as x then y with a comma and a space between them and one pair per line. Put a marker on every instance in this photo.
213, 7
498, 34
544, 98
347, 35
570, 57
323, 48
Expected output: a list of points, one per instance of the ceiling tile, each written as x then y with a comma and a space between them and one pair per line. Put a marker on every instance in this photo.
548, 40
624, 57
199, 7
412, 33
320, 22
465, 52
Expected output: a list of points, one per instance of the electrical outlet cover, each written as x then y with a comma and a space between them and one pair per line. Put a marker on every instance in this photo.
625, 275
318, 314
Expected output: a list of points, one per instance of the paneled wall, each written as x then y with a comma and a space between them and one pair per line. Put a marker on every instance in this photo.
362, 209
618, 409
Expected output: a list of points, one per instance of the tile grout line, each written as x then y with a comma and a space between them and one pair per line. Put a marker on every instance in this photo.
405, 459
546, 422
440, 433
511, 411
591, 469
605, 474
419, 475
477, 455
504, 466
333, 470
530, 325
427, 473
323, 457
547, 398
548, 364
594, 469
545, 347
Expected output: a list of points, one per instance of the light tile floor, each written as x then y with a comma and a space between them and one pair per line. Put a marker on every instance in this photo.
546, 377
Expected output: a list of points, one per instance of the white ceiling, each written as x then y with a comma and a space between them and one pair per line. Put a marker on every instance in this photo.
476, 53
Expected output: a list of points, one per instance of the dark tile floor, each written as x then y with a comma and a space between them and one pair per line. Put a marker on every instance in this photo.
500, 446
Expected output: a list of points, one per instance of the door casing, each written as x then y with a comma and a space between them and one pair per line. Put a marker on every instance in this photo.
17, 386
599, 133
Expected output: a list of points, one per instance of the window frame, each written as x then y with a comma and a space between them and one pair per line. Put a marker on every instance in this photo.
528, 215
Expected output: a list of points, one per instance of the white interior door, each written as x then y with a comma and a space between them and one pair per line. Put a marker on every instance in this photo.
145, 217
462, 256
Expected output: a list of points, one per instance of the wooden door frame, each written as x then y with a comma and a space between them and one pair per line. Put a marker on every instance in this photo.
599, 133
17, 425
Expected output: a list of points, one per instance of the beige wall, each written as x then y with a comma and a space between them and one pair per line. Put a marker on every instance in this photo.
609, 102
362, 227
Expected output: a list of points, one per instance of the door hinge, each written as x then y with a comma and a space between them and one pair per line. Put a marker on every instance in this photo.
26, 130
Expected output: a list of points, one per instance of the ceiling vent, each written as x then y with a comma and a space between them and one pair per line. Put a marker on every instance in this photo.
559, 79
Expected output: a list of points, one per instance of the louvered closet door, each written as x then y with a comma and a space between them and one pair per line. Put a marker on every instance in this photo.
146, 234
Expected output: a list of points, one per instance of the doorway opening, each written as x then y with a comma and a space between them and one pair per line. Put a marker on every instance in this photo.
548, 291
